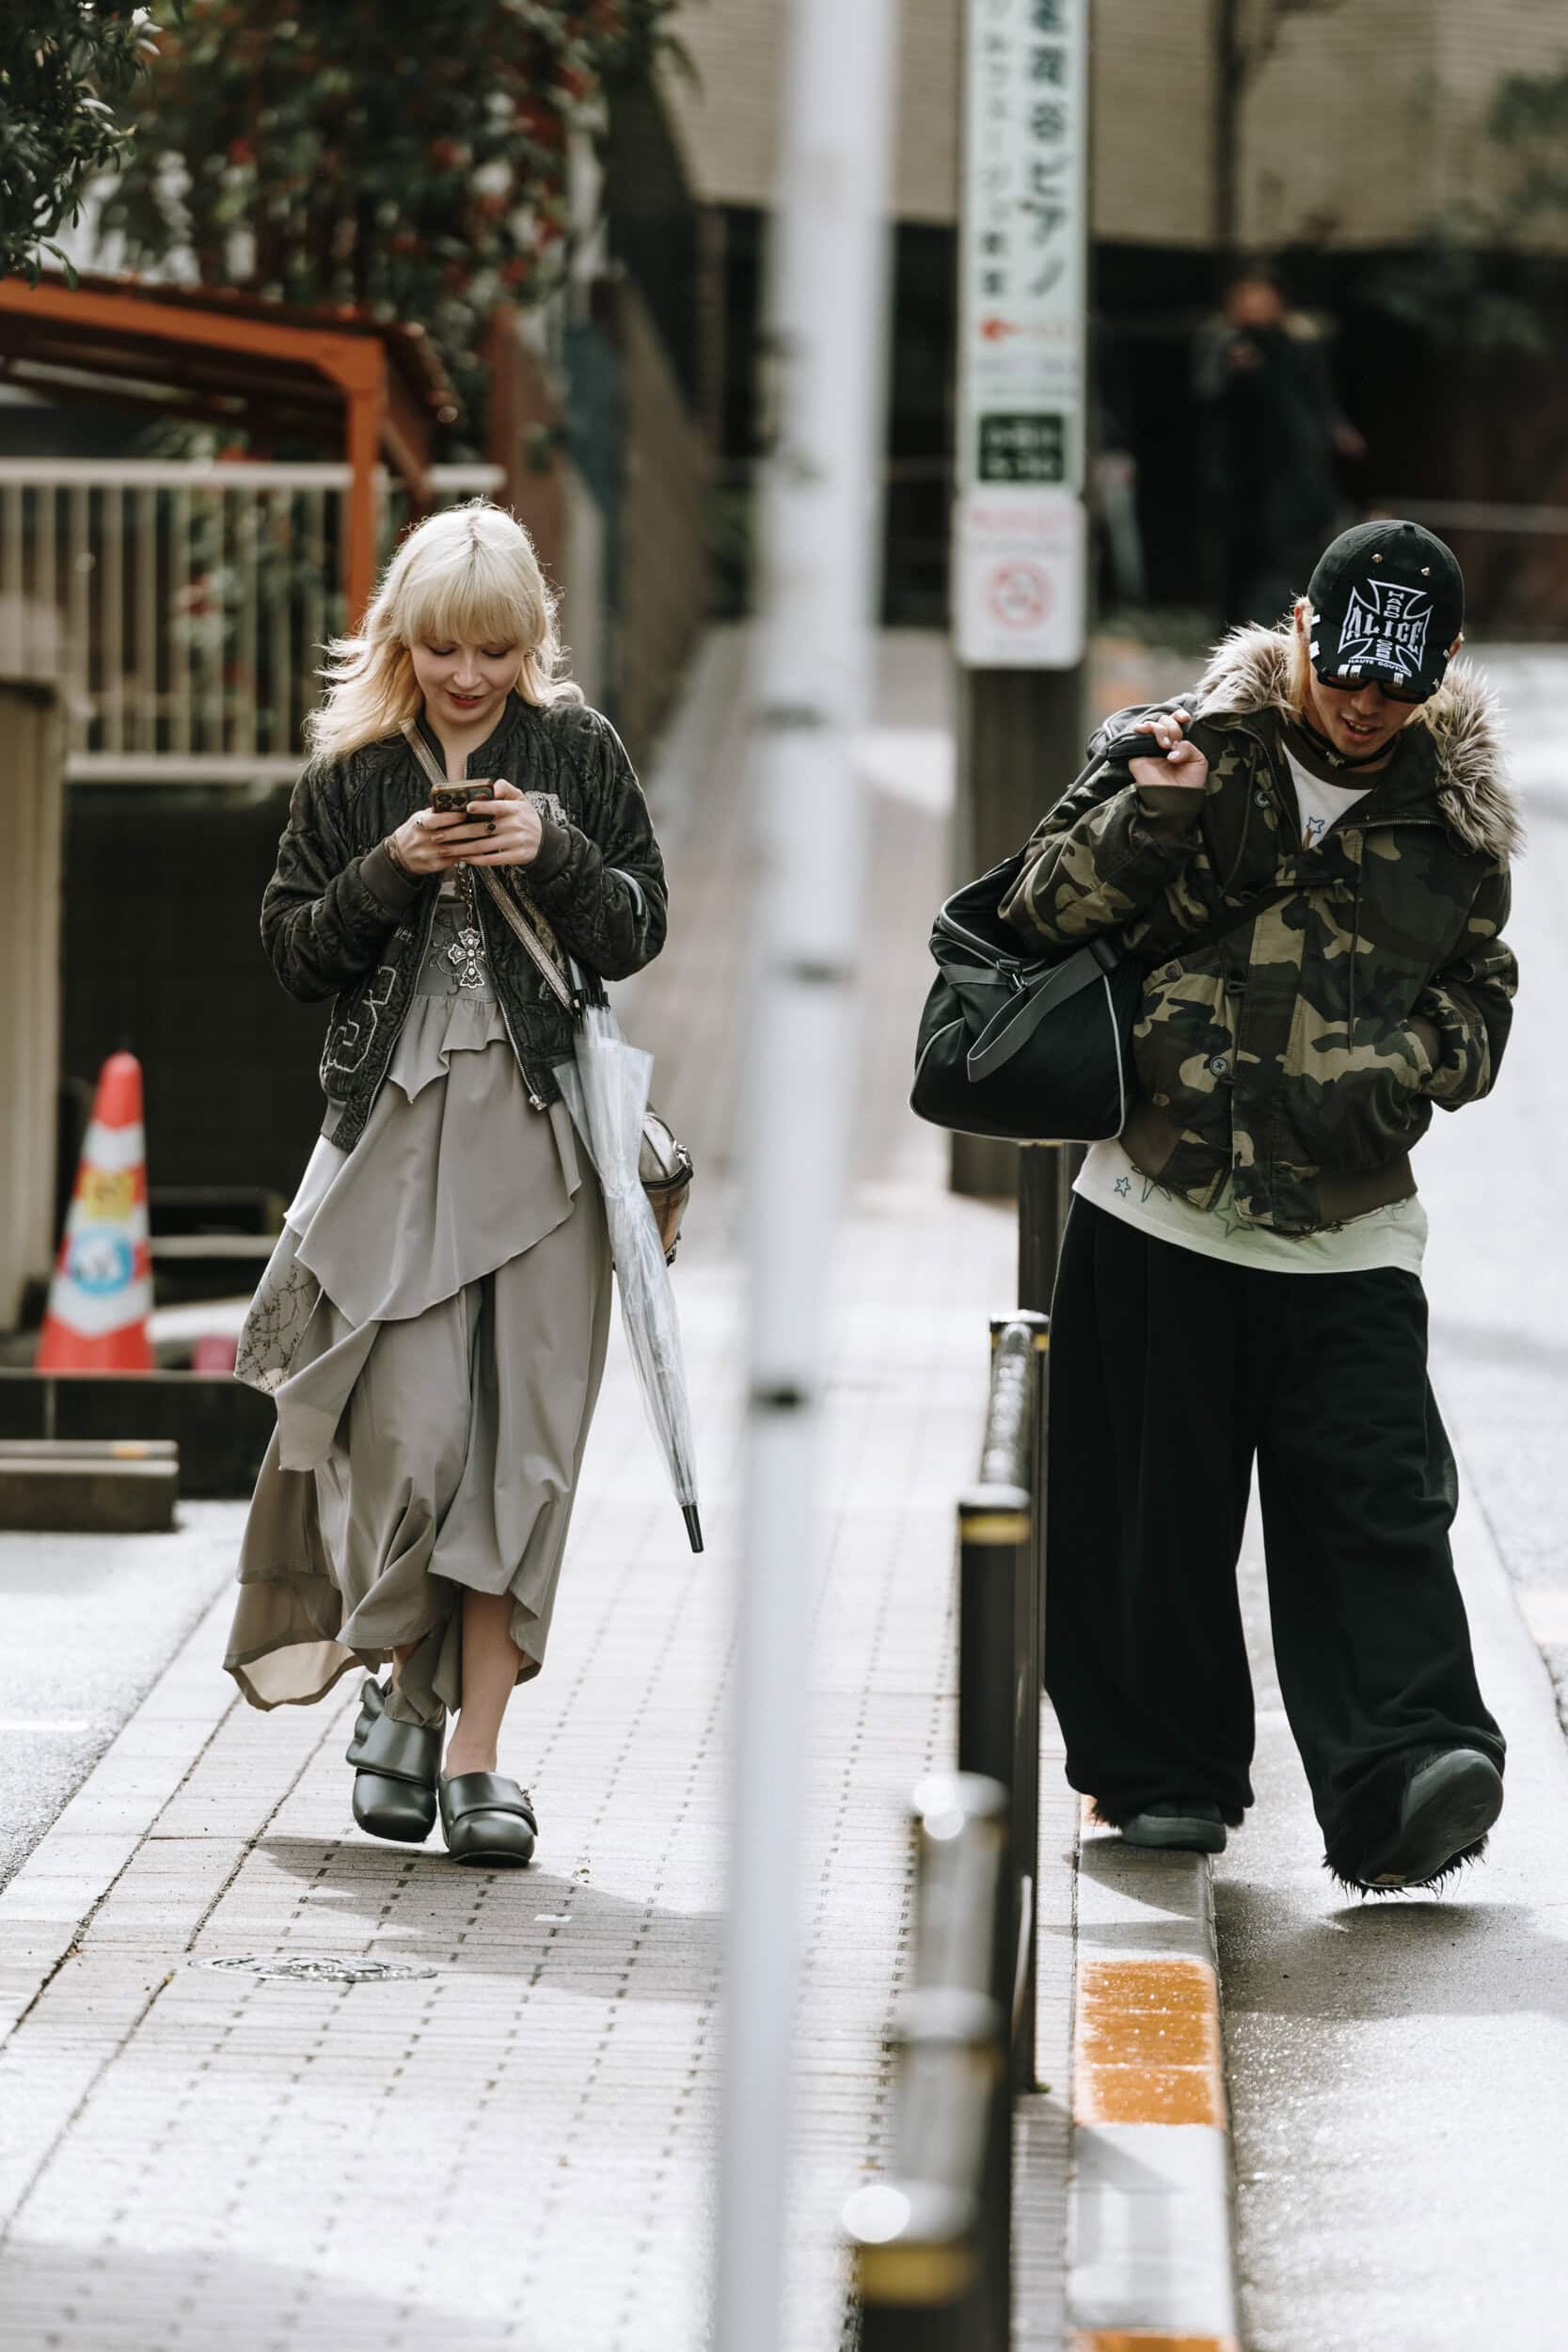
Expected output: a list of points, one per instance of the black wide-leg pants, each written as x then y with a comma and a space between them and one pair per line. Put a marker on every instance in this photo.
1171, 1373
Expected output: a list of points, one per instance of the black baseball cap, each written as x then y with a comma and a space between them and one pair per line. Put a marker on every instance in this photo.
1387, 601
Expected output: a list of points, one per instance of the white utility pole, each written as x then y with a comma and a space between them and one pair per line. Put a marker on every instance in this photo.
819, 510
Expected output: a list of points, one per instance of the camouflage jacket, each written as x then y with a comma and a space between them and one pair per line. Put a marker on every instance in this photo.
1301, 1054
339, 920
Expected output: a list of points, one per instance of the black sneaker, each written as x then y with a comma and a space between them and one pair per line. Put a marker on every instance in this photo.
1450, 1800
1189, 1824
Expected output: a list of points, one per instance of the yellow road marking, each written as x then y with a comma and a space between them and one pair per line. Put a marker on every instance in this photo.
1148, 2044
1145, 2340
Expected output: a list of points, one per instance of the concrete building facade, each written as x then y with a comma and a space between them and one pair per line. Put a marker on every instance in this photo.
1359, 127
1357, 146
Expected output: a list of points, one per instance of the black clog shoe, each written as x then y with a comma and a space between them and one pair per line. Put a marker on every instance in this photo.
487, 1820
396, 1764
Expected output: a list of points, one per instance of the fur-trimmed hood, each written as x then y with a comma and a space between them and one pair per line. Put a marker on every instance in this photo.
1249, 671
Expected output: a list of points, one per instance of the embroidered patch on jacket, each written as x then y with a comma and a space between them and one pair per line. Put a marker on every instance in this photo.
1387, 623
349, 1041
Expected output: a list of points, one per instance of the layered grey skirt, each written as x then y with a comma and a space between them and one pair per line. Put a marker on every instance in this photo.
432, 1326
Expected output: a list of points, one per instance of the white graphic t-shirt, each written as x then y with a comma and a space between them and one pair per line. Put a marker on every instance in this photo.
1322, 804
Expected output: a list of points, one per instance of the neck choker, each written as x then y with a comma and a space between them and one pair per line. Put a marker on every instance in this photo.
1326, 750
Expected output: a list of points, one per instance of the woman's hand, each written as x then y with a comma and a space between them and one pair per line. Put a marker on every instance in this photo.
507, 831
1182, 763
501, 830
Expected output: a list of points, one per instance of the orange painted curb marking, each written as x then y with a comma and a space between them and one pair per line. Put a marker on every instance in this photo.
1147, 2045
1142, 2340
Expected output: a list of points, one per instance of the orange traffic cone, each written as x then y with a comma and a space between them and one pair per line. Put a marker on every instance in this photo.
101, 1298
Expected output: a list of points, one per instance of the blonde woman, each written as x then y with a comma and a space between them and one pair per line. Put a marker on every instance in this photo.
433, 1324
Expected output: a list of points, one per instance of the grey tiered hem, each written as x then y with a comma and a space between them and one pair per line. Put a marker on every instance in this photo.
432, 1326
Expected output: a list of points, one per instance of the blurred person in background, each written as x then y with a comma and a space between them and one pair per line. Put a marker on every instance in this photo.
1270, 437
1241, 1273
433, 1323
1122, 578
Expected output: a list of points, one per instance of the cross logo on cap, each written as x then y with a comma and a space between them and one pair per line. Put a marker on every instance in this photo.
1387, 624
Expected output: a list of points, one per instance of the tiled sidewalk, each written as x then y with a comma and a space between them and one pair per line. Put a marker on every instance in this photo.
511, 2145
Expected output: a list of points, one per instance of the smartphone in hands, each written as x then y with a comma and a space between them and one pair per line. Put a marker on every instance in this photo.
449, 799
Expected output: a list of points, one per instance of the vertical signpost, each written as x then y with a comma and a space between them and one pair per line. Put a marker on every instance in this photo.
1020, 475
1018, 534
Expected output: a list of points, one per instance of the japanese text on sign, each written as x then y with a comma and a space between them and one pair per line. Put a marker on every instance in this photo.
1022, 300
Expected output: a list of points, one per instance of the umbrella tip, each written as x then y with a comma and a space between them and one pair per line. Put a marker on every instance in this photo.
694, 1525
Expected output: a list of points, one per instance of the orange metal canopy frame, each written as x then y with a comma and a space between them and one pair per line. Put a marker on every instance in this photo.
190, 352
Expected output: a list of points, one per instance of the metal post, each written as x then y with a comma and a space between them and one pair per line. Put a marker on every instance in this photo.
1046, 1176
1024, 1339
917, 2236
1041, 1489
826, 339
995, 1559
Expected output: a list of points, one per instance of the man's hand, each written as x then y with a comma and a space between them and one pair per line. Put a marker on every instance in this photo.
1182, 763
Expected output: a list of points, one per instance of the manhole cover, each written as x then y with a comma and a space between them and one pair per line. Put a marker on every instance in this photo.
319, 1970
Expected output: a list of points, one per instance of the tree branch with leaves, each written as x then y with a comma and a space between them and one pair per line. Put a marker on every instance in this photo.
69, 76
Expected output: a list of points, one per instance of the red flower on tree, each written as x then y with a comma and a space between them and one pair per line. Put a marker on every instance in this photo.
539, 122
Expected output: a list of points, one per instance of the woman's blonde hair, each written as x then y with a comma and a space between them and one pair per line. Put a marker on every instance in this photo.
470, 574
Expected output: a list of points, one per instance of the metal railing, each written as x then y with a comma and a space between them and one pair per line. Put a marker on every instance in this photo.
932, 2244
181, 606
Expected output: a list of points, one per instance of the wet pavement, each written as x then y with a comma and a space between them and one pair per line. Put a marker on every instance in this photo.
1399, 2069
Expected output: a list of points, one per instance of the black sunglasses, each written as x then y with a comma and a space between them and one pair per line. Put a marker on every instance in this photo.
1391, 694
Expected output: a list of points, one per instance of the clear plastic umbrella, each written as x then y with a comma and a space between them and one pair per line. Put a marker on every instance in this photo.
606, 1089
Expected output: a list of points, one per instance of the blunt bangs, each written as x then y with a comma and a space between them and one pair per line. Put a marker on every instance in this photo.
466, 575
473, 596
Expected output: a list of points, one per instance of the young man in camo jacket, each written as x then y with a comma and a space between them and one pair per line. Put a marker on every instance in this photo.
1241, 1273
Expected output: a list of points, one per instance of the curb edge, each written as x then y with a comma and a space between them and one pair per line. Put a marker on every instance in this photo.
1151, 2199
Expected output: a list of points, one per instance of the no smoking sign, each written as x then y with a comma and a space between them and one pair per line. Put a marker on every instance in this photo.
1018, 593
1018, 581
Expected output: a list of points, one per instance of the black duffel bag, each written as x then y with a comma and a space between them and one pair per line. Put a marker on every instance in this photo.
1035, 1049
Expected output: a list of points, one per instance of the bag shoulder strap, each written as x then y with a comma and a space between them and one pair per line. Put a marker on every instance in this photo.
1233, 917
